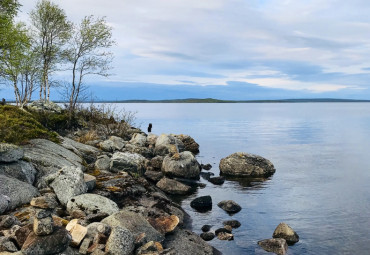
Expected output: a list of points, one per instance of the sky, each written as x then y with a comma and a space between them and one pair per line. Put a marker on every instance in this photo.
231, 49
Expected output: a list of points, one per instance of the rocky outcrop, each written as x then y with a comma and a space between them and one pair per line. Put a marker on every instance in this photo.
182, 165
189, 143
16, 192
92, 204
86, 152
173, 187
10, 152
20, 170
45, 105
284, 231
276, 245
129, 162
229, 206
246, 165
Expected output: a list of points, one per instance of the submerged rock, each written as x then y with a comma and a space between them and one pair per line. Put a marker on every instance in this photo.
229, 206
232, 223
276, 245
182, 165
246, 165
202, 204
284, 231
207, 236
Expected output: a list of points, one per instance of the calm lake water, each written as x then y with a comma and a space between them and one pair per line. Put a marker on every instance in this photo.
321, 152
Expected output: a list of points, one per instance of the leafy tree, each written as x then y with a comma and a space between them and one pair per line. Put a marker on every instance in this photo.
52, 32
88, 54
8, 10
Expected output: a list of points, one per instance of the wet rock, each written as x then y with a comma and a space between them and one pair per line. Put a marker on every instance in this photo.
57, 242
166, 144
207, 236
284, 231
69, 182
92, 204
206, 228
276, 245
153, 176
20, 170
10, 152
87, 152
232, 223
182, 165
217, 180
138, 139
206, 167
246, 165
45, 105
156, 163
114, 143
134, 222
90, 181
173, 187
189, 143
150, 248
120, 241
229, 206
6, 245
203, 203
165, 224
225, 236
44, 202
128, 162
10, 189
206, 176
44, 226
222, 230
103, 163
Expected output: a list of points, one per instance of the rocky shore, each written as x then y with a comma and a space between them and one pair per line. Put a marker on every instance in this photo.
110, 195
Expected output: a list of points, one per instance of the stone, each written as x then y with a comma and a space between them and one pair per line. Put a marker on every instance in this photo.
49, 157
207, 236
92, 204
44, 202
8, 221
165, 224
40, 214
68, 183
102, 163
44, 226
156, 163
20, 170
232, 223
85, 245
7, 245
202, 204
166, 144
128, 162
21, 234
276, 245
96, 217
144, 151
96, 228
182, 165
90, 181
229, 206
4, 203
9, 189
151, 139
206, 167
10, 152
60, 222
57, 242
45, 105
217, 180
225, 236
135, 223
189, 143
150, 248
120, 241
246, 165
284, 231
138, 139
222, 230
71, 225
114, 143
78, 233
206, 228
78, 214
87, 152
153, 175
173, 187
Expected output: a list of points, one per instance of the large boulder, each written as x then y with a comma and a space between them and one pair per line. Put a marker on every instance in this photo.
92, 204
134, 222
182, 165
128, 162
10, 152
102, 163
246, 165
284, 231
67, 183
87, 152
166, 144
120, 241
45, 105
114, 143
173, 187
189, 143
276, 245
21, 170
138, 139
18, 192
49, 157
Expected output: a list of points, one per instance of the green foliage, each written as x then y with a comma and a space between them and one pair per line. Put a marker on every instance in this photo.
58, 122
8, 9
18, 126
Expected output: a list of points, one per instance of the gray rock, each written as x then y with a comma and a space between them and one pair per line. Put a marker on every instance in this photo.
103, 163
138, 139
151, 139
4, 203
186, 242
166, 144
144, 151
68, 183
57, 242
229, 206
45, 105
6, 245
182, 165
189, 143
134, 222
173, 187
10, 188
85, 151
90, 181
8, 221
10, 152
246, 165
156, 163
92, 204
44, 202
44, 226
21, 170
41, 214
284, 231
153, 175
98, 228
120, 241
128, 162
276, 245
114, 143
49, 158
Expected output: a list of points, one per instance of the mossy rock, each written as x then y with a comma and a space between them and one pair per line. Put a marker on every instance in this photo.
18, 126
